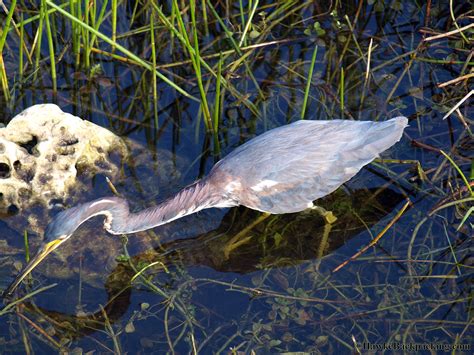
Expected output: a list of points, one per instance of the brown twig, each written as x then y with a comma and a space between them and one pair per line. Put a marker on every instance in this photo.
450, 33
455, 80
40, 330
421, 145
417, 144
376, 239
428, 13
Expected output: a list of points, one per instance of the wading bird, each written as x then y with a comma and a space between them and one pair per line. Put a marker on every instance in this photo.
281, 171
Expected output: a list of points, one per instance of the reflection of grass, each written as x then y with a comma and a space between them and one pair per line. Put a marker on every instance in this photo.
251, 66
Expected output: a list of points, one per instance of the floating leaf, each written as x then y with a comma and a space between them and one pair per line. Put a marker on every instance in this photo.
277, 237
274, 342
321, 340
129, 328
17, 265
341, 38
105, 82
256, 327
272, 315
76, 351
121, 258
287, 337
254, 34
320, 31
396, 5
416, 92
303, 317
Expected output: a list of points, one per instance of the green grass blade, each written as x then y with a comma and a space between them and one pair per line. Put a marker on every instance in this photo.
463, 177
249, 22
124, 50
114, 22
21, 46
6, 26
153, 61
341, 92
52, 58
308, 82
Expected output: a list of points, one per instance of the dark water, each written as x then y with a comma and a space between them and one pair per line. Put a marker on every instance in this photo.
277, 292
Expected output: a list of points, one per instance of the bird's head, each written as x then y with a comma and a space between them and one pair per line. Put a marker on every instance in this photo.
45, 249
55, 235
61, 229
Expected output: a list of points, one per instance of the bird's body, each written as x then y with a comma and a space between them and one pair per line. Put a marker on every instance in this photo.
285, 169
281, 171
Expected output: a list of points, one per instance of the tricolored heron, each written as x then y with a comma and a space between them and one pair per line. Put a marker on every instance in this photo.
281, 171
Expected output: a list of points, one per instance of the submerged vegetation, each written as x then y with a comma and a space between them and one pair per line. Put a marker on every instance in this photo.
199, 78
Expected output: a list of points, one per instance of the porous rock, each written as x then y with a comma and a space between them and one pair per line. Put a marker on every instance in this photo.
42, 151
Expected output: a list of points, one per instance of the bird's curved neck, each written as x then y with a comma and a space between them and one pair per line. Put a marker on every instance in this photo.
193, 198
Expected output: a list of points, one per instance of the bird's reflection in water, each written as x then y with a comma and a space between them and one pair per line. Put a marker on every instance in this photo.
278, 241
284, 239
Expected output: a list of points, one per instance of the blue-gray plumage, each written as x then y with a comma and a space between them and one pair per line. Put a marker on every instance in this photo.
281, 171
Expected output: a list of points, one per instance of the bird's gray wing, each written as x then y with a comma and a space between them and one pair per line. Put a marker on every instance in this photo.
287, 168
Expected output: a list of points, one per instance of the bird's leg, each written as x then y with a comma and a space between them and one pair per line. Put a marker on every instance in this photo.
237, 239
323, 245
328, 216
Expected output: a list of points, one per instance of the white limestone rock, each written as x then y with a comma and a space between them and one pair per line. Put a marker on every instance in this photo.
42, 150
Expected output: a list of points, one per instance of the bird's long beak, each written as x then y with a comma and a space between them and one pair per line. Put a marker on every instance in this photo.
40, 255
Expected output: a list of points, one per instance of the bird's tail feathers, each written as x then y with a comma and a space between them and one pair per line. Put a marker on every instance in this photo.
383, 135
